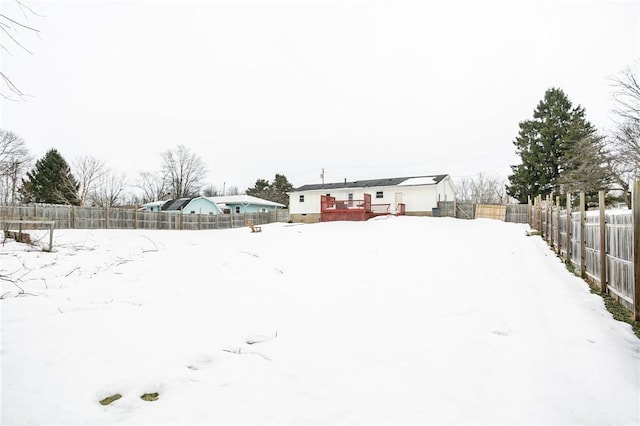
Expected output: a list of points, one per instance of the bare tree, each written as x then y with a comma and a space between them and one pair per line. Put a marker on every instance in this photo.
130, 198
153, 186
626, 94
624, 143
463, 189
588, 167
482, 189
233, 190
109, 190
184, 171
14, 27
88, 171
211, 191
14, 163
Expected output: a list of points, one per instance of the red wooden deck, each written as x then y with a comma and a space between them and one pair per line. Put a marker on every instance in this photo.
353, 210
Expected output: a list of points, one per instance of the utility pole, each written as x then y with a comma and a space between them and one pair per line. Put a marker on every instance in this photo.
322, 177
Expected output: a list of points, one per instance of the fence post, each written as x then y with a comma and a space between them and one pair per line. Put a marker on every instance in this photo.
558, 239
569, 229
135, 218
583, 243
51, 225
73, 217
540, 216
603, 244
106, 215
550, 221
635, 212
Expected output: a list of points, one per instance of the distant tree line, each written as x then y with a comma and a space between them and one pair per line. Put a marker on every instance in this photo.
87, 181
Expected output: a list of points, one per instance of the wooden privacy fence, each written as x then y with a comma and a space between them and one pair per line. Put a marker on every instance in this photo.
491, 211
518, 213
603, 245
71, 217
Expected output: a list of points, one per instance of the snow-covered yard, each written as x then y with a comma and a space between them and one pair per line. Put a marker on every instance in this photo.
391, 321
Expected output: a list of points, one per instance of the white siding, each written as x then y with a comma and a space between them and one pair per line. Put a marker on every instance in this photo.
417, 198
311, 202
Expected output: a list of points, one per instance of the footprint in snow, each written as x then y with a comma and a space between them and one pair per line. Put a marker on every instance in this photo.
252, 340
260, 338
240, 351
200, 362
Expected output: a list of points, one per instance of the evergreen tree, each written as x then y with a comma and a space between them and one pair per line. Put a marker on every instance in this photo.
281, 188
51, 182
543, 145
276, 191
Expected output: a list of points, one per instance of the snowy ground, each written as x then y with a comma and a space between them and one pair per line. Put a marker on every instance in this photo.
390, 321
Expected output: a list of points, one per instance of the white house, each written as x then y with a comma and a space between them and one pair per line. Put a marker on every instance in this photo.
418, 194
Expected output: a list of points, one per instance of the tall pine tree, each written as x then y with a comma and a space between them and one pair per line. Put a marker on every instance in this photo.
544, 144
51, 182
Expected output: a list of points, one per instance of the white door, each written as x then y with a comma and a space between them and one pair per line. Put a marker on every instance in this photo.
398, 201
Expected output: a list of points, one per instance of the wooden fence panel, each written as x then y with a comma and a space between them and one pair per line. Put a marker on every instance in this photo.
585, 245
517, 213
447, 208
491, 211
465, 210
562, 224
619, 237
576, 235
71, 217
592, 242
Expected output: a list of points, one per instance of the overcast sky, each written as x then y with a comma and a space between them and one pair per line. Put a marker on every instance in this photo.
365, 89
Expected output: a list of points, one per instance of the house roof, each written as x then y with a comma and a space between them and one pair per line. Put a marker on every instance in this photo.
244, 199
153, 204
176, 204
401, 181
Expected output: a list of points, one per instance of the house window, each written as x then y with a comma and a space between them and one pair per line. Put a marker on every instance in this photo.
302, 198
237, 209
193, 212
379, 194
